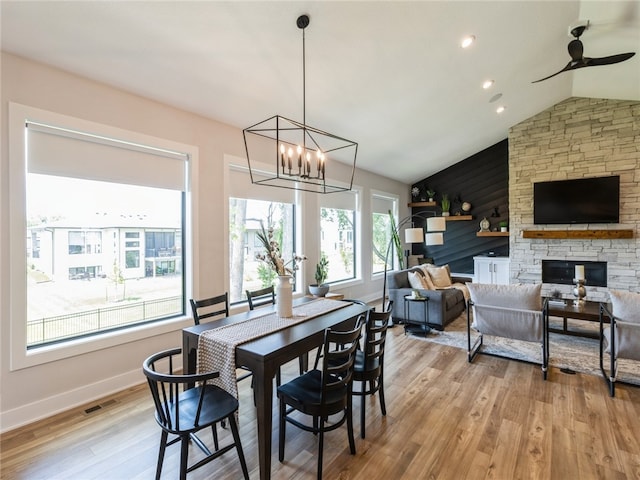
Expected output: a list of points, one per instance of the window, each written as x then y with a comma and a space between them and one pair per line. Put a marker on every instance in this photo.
382, 204
246, 218
249, 208
81, 189
337, 235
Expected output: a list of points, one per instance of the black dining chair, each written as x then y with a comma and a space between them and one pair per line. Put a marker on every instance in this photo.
323, 393
261, 297
368, 368
210, 307
184, 411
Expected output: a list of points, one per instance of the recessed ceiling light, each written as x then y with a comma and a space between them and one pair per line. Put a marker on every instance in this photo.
500, 109
488, 84
495, 98
467, 41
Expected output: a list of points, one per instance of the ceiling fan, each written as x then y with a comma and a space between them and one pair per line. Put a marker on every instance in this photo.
579, 61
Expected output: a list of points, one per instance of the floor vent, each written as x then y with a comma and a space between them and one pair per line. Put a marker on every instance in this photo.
92, 409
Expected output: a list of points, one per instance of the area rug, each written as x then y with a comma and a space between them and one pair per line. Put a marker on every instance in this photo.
578, 354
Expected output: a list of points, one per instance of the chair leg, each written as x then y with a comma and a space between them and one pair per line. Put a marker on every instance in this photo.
184, 455
236, 439
320, 448
362, 410
282, 425
163, 447
352, 440
383, 406
214, 431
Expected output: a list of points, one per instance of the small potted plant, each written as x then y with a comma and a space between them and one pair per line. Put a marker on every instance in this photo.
445, 204
504, 226
430, 194
320, 288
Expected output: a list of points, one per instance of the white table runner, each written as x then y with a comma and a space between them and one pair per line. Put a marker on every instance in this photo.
217, 347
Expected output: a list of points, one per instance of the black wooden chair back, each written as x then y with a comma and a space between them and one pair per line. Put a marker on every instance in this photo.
217, 306
259, 298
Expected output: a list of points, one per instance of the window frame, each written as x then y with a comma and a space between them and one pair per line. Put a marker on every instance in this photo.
21, 357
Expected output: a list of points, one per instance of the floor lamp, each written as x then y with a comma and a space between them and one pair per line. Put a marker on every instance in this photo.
433, 235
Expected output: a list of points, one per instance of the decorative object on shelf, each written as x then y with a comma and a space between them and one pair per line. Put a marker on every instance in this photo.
466, 207
434, 227
430, 194
285, 270
504, 226
445, 203
485, 225
320, 289
302, 152
415, 191
579, 290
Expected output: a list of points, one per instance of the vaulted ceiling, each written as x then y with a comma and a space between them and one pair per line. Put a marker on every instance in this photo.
390, 75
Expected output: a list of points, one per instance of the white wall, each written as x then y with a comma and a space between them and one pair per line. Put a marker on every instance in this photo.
36, 392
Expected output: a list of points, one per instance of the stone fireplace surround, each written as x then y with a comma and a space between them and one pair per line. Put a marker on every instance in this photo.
579, 137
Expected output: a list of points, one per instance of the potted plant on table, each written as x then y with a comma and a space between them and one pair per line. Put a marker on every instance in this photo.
320, 288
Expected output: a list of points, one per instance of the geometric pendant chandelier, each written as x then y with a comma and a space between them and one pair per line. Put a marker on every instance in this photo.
299, 156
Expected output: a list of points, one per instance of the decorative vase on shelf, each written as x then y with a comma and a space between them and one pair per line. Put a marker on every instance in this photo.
284, 296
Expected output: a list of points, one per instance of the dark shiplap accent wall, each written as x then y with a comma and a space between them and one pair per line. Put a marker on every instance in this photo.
483, 181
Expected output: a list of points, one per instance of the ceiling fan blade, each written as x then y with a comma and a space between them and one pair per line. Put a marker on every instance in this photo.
568, 67
611, 59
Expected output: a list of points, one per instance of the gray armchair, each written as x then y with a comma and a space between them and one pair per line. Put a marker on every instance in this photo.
621, 339
509, 311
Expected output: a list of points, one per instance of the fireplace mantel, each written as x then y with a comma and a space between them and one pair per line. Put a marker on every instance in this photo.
578, 234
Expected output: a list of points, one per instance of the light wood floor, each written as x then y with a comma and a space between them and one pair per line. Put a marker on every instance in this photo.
446, 419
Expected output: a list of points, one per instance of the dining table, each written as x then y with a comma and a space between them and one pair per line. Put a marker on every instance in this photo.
265, 354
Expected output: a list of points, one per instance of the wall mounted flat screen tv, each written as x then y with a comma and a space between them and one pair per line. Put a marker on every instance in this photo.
582, 200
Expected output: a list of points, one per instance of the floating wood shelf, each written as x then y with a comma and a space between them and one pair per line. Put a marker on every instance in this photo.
578, 234
423, 204
492, 234
453, 218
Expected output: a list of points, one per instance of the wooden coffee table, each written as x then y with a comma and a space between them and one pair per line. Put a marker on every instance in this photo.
587, 311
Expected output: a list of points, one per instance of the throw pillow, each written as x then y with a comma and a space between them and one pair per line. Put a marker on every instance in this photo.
426, 278
626, 305
415, 280
440, 276
524, 297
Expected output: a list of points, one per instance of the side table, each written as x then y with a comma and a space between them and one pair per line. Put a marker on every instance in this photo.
416, 328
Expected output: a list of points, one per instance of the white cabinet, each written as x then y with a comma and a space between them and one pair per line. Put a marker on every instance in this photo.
491, 270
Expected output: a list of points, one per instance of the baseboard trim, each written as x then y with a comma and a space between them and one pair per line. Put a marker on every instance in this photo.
47, 407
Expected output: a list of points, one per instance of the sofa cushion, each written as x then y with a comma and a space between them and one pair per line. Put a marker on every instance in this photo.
524, 297
625, 305
440, 276
416, 280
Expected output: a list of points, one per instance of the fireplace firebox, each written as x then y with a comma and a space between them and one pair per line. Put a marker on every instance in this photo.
563, 272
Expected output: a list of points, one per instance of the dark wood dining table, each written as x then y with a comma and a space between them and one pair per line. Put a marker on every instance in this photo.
264, 355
